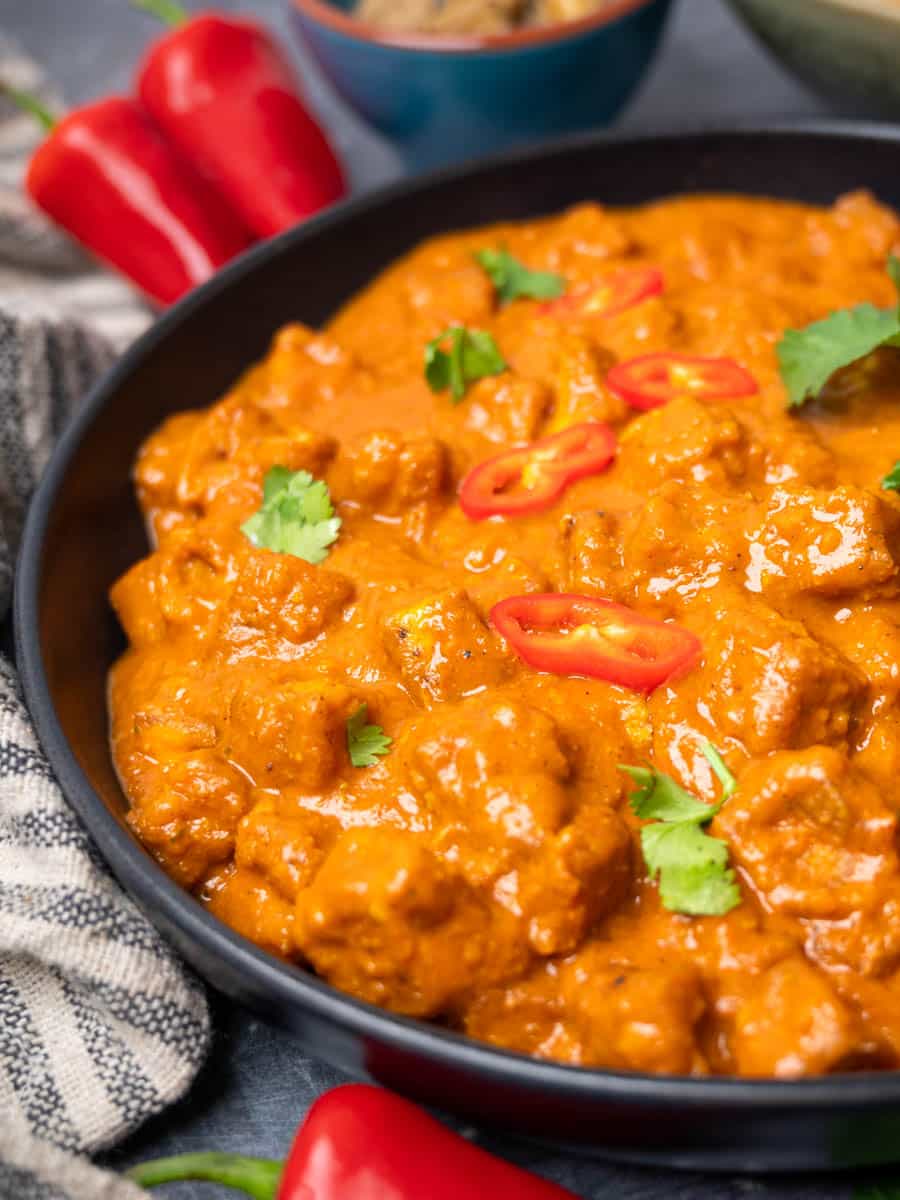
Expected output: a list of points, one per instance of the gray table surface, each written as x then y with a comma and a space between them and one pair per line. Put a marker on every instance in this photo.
258, 1082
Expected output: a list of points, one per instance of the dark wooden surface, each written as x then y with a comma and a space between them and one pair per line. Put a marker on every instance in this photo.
258, 1083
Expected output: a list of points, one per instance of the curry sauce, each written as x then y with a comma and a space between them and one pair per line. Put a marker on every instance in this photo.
484, 868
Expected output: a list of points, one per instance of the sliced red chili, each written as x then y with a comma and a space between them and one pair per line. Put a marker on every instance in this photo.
654, 379
533, 477
584, 635
610, 295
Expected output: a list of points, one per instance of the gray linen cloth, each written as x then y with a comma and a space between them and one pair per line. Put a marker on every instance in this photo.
101, 1026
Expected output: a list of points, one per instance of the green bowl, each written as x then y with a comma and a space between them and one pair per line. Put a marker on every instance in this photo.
849, 50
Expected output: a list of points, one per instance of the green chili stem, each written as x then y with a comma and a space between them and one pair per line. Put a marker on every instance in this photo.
29, 104
257, 1177
170, 12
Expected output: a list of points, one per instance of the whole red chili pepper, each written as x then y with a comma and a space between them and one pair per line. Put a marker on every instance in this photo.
110, 179
531, 478
227, 97
567, 634
362, 1143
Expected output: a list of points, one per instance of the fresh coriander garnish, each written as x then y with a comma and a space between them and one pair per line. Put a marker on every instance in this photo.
807, 358
692, 867
296, 517
891, 481
512, 280
365, 743
472, 354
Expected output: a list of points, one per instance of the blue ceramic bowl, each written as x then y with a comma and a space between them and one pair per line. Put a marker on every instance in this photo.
442, 98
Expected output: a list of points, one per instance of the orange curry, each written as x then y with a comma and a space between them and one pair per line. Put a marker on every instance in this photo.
481, 865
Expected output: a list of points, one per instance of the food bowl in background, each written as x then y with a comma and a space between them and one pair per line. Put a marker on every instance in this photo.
848, 50
441, 98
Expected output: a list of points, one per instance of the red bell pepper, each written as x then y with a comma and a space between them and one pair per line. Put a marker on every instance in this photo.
610, 296
533, 477
584, 635
363, 1143
224, 93
109, 178
652, 380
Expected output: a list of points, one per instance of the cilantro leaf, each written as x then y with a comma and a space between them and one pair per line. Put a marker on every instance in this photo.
365, 743
659, 798
512, 280
891, 481
807, 358
296, 516
691, 866
721, 772
473, 354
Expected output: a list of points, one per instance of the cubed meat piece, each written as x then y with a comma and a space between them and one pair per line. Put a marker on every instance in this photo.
459, 752
593, 548
794, 452
871, 641
175, 711
867, 941
507, 409
528, 1016
629, 1018
856, 230
654, 324
831, 543
297, 728
280, 599
443, 291
188, 813
160, 465
765, 682
215, 464
305, 369
583, 874
385, 920
285, 847
687, 440
579, 385
444, 650
498, 781
793, 1023
388, 472
182, 587
681, 542
246, 902
813, 834
584, 239
482, 550
241, 441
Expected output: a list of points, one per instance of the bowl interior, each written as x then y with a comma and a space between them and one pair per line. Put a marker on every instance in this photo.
338, 16
84, 529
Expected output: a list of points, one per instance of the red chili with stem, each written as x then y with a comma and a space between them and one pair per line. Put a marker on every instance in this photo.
226, 95
108, 177
359, 1143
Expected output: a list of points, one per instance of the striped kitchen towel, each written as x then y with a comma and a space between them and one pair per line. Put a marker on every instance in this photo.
100, 1024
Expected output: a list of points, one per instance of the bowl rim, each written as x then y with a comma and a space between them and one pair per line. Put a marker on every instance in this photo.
322, 12
289, 984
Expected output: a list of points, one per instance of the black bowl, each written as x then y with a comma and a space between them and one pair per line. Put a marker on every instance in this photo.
84, 529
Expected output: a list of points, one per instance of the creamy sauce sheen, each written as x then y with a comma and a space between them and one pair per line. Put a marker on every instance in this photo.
486, 873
